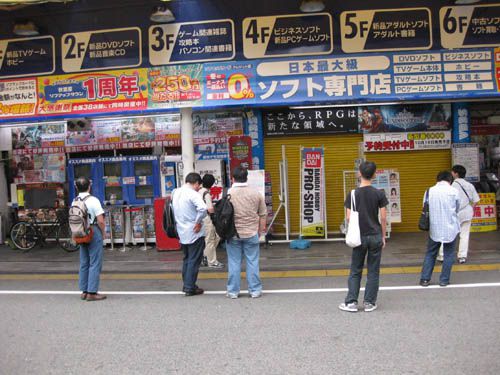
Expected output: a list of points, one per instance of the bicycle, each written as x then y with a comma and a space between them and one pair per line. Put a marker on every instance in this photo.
26, 234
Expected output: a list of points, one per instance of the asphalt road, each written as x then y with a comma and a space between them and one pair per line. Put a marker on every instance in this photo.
431, 331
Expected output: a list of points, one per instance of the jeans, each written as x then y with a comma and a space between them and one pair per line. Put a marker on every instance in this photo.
371, 248
237, 248
91, 255
430, 260
193, 254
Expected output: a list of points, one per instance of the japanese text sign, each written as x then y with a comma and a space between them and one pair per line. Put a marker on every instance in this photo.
485, 214
407, 141
18, 97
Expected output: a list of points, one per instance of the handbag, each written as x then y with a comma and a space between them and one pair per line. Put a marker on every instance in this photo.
353, 236
424, 221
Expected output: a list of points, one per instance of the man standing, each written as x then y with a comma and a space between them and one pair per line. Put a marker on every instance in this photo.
468, 199
211, 237
368, 202
250, 220
189, 211
91, 253
444, 204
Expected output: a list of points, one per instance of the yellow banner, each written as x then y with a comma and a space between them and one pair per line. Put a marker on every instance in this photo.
485, 214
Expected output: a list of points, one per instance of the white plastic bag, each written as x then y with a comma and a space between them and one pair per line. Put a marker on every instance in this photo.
353, 236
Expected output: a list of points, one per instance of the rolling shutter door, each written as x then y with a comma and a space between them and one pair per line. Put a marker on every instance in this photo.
418, 170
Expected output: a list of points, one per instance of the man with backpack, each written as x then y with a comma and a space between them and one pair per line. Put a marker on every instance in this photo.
369, 202
250, 222
211, 237
86, 219
189, 211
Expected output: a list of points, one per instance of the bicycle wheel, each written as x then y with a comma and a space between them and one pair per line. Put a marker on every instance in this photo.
23, 236
64, 239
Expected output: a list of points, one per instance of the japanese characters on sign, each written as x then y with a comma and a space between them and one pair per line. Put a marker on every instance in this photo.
485, 214
101, 49
18, 97
175, 86
191, 42
374, 142
386, 30
470, 26
404, 118
39, 139
288, 35
27, 56
310, 121
111, 91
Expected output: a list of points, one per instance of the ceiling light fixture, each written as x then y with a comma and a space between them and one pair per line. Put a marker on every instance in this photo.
26, 28
312, 6
465, 2
162, 14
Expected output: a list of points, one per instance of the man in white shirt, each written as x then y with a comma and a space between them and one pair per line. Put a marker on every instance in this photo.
189, 212
468, 199
444, 203
91, 254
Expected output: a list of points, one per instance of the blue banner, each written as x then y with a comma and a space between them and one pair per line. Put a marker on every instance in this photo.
461, 123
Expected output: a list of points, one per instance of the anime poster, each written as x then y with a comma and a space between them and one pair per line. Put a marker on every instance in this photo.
211, 132
79, 133
108, 131
138, 129
404, 118
27, 137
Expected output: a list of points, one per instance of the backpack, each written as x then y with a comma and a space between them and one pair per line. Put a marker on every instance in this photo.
169, 218
223, 218
79, 222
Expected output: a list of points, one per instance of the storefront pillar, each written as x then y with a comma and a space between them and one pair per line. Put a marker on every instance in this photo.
187, 140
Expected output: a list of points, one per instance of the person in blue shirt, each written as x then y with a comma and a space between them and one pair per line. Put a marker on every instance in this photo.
189, 212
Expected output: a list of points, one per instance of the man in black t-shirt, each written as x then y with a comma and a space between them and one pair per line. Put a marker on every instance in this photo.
368, 202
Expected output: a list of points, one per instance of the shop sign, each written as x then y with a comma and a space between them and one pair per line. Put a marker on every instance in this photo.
386, 30
467, 154
405, 118
414, 141
90, 93
101, 49
470, 26
287, 35
485, 214
461, 123
47, 138
310, 121
18, 97
240, 152
27, 57
175, 86
312, 194
189, 42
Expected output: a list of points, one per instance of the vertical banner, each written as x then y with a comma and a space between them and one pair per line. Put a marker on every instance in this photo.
240, 151
312, 196
461, 123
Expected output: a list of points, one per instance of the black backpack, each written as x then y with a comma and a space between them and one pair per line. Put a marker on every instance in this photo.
169, 219
223, 218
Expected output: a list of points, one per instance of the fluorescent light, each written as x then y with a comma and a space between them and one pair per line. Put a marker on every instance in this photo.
162, 14
465, 2
27, 28
312, 6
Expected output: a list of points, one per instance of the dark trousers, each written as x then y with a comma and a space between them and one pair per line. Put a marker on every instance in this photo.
430, 260
371, 248
193, 254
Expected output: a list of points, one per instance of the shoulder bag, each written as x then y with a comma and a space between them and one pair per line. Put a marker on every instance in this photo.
353, 236
424, 221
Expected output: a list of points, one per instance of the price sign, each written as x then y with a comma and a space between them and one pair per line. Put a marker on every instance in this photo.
470, 26
27, 56
386, 30
191, 42
290, 35
101, 49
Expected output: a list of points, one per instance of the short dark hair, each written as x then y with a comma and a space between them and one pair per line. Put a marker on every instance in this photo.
240, 174
82, 184
444, 176
208, 180
193, 178
460, 170
367, 169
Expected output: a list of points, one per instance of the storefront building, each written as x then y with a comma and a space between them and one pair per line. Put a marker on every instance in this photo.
301, 90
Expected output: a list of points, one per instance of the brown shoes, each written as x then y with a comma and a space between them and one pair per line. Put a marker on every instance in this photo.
95, 297
83, 296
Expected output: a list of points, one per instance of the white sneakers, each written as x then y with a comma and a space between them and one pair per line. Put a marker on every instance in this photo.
353, 306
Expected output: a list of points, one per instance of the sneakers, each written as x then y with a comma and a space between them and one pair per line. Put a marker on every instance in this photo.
256, 295
462, 260
217, 265
440, 259
231, 295
204, 262
350, 307
425, 282
369, 306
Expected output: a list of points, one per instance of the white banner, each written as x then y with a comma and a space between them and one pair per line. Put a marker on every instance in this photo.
412, 141
312, 193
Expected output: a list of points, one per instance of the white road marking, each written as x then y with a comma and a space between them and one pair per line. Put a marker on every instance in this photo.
266, 291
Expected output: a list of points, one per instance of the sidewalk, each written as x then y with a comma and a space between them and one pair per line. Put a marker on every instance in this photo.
403, 249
